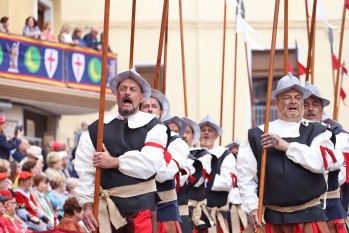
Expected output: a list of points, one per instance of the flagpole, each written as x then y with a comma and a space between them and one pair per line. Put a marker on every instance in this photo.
311, 40
267, 112
235, 71
336, 102
101, 107
223, 61
161, 43
250, 88
183, 59
133, 23
286, 37
164, 73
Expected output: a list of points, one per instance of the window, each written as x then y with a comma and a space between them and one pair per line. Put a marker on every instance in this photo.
260, 73
44, 12
147, 71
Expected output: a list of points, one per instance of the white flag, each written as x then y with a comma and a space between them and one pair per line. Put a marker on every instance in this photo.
320, 14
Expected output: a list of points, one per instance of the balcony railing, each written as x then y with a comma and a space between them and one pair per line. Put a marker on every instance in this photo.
52, 63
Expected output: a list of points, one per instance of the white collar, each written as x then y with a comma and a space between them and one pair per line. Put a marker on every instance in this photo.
285, 128
137, 120
174, 134
218, 151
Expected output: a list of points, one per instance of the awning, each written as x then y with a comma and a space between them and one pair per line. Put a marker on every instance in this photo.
56, 100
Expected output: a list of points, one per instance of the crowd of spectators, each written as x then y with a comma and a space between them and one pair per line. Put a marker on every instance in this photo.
32, 30
37, 184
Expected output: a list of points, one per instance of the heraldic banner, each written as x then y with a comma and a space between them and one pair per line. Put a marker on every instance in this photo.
52, 63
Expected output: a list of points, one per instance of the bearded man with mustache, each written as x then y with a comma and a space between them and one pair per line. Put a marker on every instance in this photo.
133, 152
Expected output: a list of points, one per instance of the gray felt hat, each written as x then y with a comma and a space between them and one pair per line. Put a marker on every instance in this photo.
114, 82
179, 122
234, 143
289, 82
195, 127
165, 104
208, 120
315, 92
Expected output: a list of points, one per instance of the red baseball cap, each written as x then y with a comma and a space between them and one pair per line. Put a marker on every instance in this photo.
57, 145
2, 119
25, 175
7, 194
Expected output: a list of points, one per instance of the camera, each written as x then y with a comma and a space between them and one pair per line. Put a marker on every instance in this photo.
19, 128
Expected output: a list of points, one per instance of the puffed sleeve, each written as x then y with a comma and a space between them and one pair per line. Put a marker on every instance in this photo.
247, 177
310, 157
84, 168
223, 180
145, 163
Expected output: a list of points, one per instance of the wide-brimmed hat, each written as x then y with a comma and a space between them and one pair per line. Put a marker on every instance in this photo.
315, 92
289, 82
179, 122
114, 82
36, 152
235, 143
208, 120
195, 127
165, 104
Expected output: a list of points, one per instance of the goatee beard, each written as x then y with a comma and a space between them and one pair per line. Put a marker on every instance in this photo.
126, 112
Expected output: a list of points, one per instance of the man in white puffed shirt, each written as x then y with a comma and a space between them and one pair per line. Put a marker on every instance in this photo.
220, 165
294, 178
133, 152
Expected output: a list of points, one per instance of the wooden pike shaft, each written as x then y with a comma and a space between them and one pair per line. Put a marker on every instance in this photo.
286, 37
165, 56
101, 106
267, 114
312, 69
183, 59
133, 24
307, 18
223, 62
235, 78
161, 43
312, 30
336, 96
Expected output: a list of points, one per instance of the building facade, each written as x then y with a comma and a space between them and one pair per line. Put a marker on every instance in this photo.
203, 46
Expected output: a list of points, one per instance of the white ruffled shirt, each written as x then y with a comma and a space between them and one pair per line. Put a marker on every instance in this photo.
308, 157
222, 180
179, 150
139, 164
